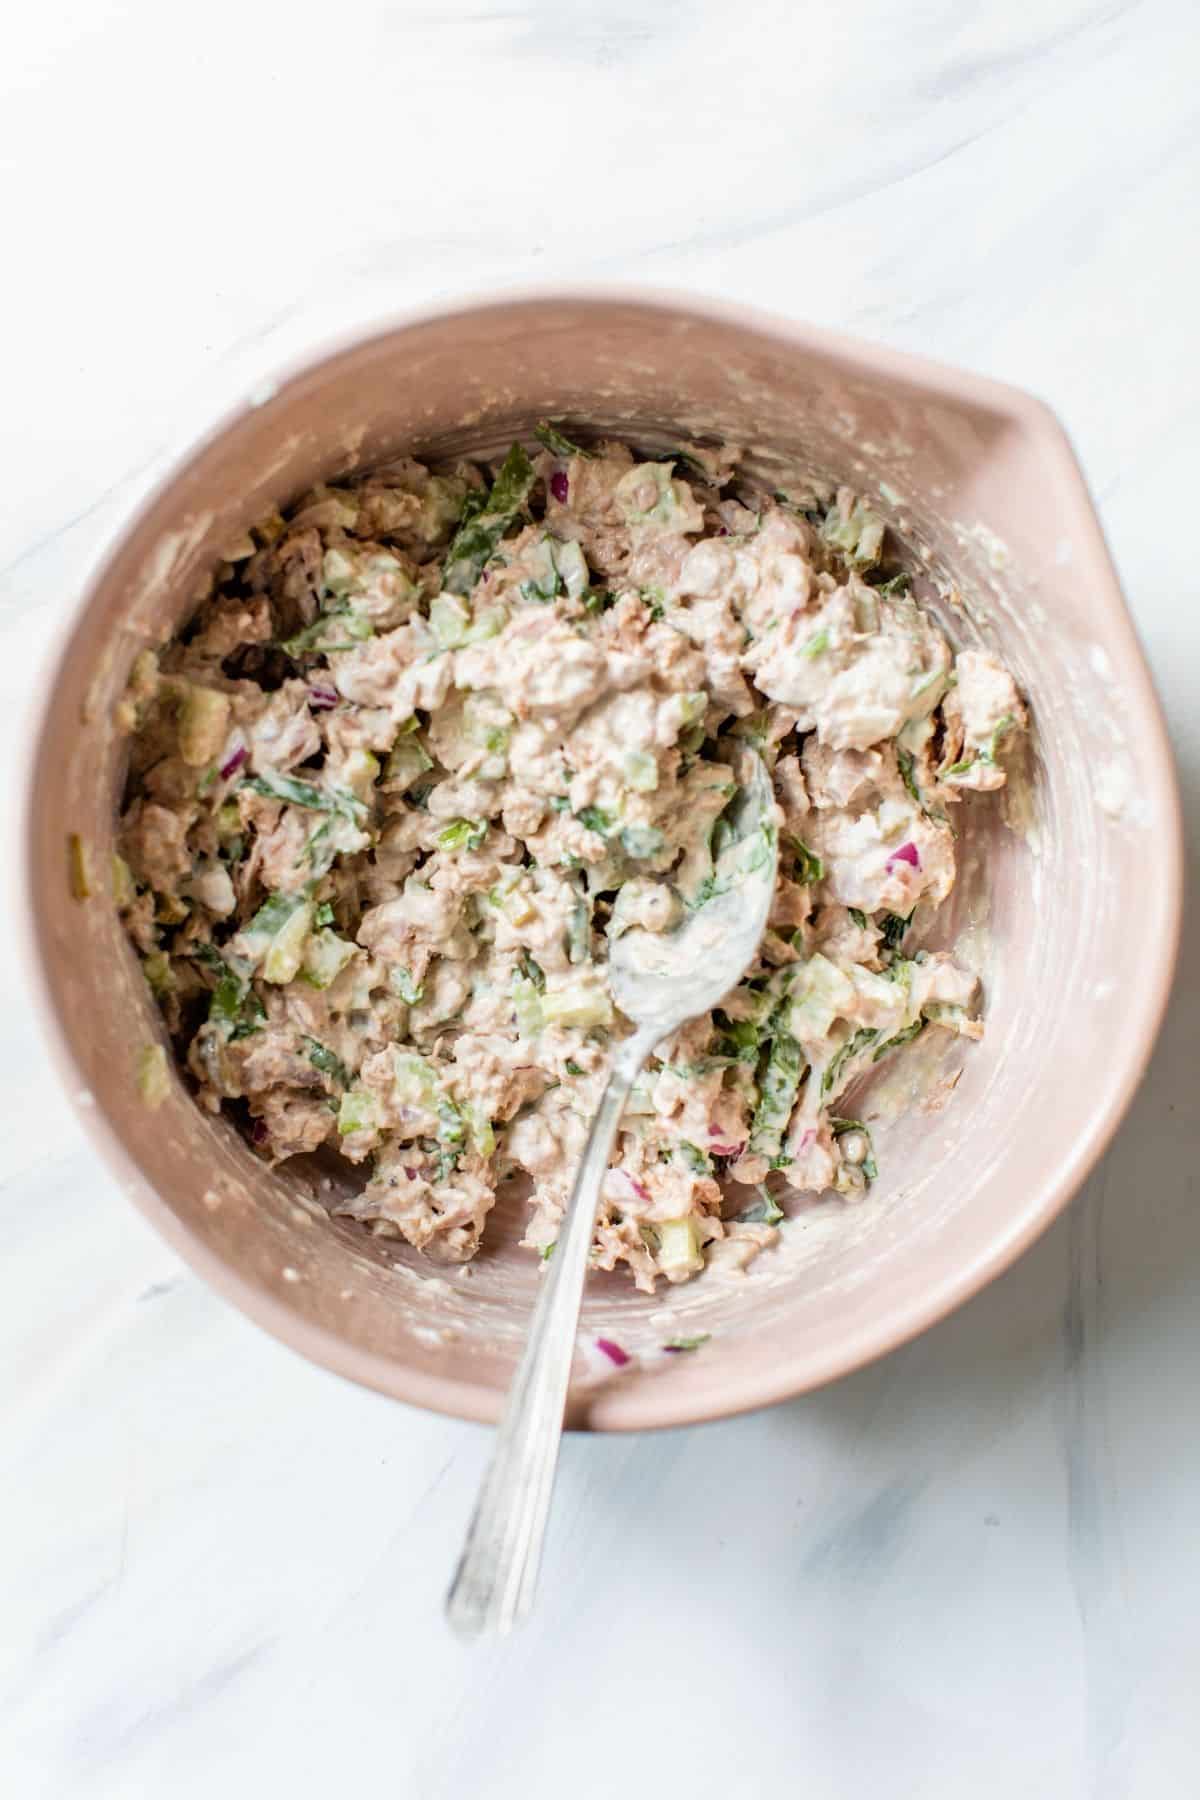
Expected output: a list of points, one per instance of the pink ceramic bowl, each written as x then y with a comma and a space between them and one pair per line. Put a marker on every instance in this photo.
1073, 916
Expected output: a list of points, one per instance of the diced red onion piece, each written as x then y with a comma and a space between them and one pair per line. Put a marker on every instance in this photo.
411, 1174
559, 486
805, 1139
723, 531
639, 1188
727, 1149
907, 853
614, 1352
322, 698
233, 763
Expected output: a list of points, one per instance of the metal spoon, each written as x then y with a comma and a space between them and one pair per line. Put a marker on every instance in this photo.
659, 981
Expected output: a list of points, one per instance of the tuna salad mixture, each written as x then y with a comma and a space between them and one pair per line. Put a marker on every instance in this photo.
433, 738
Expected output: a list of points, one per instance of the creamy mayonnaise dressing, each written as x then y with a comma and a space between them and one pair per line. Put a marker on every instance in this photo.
434, 738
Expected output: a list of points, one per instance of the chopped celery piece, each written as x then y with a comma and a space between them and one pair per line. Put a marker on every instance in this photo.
357, 1112
679, 1252
640, 841
814, 645
359, 772
527, 1006
688, 1343
818, 993
480, 1134
124, 892
276, 935
580, 1006
858, 533
640, 770
403, 985
449, 620
463, 834
78, 876
325, 956
413, 1081
153, 1079
405, 762
158, 972
203, 724
693, 1158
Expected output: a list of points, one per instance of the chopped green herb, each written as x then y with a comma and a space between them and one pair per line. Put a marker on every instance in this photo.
597, 600
809, 867
554, 441
1002, 728
818, 642
907, 774
742, 1036
572, 1067
478, 534
688, 1343
324, 1059
893, 928
323, 915
315, 639
697, 1161
902, 1037
532, 972
594, 818
860, 918
777, 1090
852, 1048
233, 1006
895, 584
294, 792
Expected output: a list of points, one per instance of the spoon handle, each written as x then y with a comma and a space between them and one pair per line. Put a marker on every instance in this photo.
494, 1583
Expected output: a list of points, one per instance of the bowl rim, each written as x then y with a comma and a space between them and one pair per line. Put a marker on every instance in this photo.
658, 1403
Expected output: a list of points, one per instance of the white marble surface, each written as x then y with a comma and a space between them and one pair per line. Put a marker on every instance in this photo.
972, 1569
